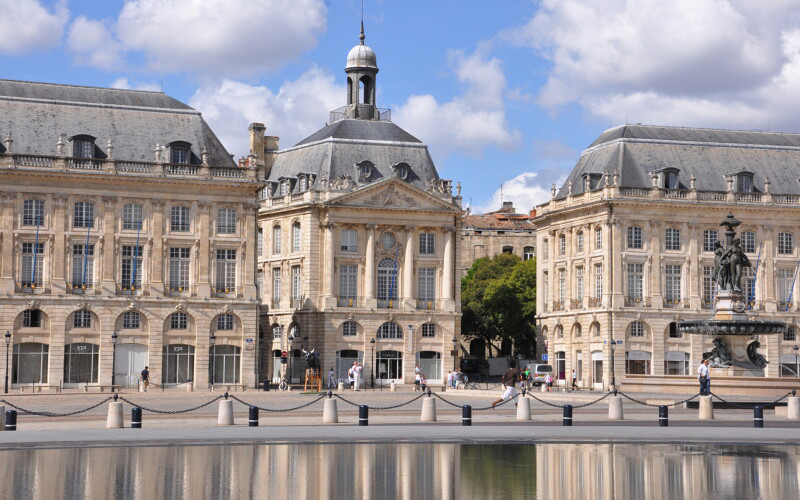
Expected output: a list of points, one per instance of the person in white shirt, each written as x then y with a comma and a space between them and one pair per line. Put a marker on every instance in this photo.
449, 380
704, 377
356, 375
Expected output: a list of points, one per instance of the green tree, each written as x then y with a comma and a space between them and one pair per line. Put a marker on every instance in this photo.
498, 301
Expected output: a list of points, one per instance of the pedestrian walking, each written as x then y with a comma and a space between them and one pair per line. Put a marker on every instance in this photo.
548, 382
331, 380
449, 381
704, 377
356, 375
574, 380
145, 378
509, 380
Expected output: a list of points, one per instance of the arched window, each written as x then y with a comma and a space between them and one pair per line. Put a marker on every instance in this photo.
32, 318
277, 332
82, 319
349, 329
387, 282
390, 330
527, 253
131, 320
508, 249
559, 332
594, 329
576, 330
83, 146
428, 330
636, 329
225, 322
179, 321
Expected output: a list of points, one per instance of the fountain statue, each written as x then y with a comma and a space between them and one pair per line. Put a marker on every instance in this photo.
733, 335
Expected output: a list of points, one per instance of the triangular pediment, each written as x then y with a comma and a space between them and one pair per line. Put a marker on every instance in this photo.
392, 194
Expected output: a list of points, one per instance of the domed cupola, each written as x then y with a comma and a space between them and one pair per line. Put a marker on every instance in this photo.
361, 69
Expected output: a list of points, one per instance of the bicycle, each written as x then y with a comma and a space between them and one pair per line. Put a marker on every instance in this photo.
282, 385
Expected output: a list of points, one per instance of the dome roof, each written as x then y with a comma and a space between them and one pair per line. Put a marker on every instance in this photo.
361, 56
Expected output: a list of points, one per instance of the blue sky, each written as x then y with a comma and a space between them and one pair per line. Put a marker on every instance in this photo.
503, 92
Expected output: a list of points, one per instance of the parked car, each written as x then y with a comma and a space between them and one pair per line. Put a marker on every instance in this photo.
539, 372
470, 365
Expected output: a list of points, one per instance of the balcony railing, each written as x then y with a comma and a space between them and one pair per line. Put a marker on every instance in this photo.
388, 303
85, 164
348, 301
786, 306
595, 302
558, 306
680, 194
180, 169
296, 303
130, 290
29, 287
576, 304
673, 302
637, 302
367, 111
178, 290
707, 304
135, 167
426, 304
225, 292
34, 161
83, 288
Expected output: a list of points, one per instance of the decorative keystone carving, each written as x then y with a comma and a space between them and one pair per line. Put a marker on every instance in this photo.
180, 307
33, 304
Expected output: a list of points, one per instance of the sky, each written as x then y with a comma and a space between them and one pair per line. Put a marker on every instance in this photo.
506, 94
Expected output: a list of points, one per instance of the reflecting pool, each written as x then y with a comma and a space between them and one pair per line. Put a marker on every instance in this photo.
403, 471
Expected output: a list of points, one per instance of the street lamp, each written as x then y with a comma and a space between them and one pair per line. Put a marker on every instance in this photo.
372, 368
292, 337
212, 341
613, 373
114, 338
795, 349
455, 354
8, 341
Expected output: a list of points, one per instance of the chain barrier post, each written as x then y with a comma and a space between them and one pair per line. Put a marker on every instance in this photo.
136, 417
252, 417
225, 412
363, 415
523, 408
706, 408
466, 416
11, 420
428, 408
2, 418
793, 407
663, 416
567, 416
615, 408
114, 416
330, 411
758, 417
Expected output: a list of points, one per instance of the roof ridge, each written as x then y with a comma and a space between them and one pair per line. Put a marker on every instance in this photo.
84, 86
682, 127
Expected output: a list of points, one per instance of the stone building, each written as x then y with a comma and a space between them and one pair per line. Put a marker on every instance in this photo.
493, 233
625, 249
358, 254
126, 228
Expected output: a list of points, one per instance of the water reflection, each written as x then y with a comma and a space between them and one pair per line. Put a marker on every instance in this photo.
402, 471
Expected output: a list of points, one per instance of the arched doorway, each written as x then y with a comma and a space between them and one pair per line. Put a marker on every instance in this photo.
131, 360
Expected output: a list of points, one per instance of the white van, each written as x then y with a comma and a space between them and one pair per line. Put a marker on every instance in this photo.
538, 373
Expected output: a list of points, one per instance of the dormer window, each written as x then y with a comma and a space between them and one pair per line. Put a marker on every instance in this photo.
302, 183
365, 170
669, 178
284, 188
402, 171
83, 147
180, 152
744, 182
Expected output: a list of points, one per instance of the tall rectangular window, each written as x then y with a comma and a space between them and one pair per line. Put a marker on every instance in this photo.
83, 216
562, 245
545, 249
634, 239
33, 212
749, 283
710, 237
260, 283
348, 240
598, 238
348, 281
179, 269
179, 155
672, 239
579, 242
672, 282
562, 285
527, 253
426, 284
226, 270
749, 241
131, 217
546, 286
579, 283
635, 280
260, 242
598, 281
297, 285
708, 286
427, 243
276, 239
131, 263
82, 148
785, 243
180, 220
226, 221
82, 264
296, 237
276, 286
32, 264
785, 279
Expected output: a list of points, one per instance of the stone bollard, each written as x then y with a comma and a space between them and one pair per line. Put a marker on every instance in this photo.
542, 387
792, 408
428, 409
615, 408
330, 413
190, 387
114, 418
663, 416
340, 387
392, 387
523, 408
706, 408
225, 414
2, 419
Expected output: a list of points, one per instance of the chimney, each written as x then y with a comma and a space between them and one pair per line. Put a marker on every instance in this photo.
257, 138
508, 206
532, 213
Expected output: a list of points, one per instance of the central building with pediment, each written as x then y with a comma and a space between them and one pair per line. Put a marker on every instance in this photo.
358, 247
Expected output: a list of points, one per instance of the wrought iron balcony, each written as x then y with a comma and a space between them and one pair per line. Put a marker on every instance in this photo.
388, 303
348, 301
426, 304
637, 302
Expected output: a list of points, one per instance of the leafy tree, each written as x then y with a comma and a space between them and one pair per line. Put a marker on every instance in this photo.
498, 301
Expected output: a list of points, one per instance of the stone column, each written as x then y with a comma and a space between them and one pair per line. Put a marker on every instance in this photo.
160, 250
408, 270
448, 303
8, 244
329, 300
108, 227
204, 262
657, 269
369, 269
60, 252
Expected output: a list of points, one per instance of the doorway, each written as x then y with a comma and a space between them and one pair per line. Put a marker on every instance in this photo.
131, 360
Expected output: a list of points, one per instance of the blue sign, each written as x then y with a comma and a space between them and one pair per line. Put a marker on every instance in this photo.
544, 357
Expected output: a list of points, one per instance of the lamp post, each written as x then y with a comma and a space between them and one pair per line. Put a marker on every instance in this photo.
291, 355
8, 341
114, 338
372, 368
455, 354
613, 374
795, 349
212, 341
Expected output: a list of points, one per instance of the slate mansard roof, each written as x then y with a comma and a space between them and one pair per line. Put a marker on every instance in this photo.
333, 151
36, 114
635, 151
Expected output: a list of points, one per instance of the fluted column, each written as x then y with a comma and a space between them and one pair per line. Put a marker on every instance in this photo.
330, 269
408, 268
447, 270
369, 268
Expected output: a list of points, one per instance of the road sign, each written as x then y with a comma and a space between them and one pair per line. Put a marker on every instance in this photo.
544, 357
284, 354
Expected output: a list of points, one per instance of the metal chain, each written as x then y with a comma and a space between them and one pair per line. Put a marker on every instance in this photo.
53, 414
573, 406
379, 408
676, 403
277, 410
745, 407
446, 401
170, 412
491, 407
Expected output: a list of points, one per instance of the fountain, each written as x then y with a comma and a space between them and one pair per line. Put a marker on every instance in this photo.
734, 335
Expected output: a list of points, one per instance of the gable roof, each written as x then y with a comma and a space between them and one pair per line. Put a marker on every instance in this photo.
391, 193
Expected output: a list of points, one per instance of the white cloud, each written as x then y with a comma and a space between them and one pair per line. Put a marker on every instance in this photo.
208, 37
27, 26
469, 123
92, 44
728, 63
296, 110
523, 190
123, 83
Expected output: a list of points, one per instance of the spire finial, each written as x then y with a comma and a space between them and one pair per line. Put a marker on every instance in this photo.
361, 36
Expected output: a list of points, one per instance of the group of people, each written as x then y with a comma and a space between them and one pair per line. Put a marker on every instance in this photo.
353, 376
456, 379
420, 382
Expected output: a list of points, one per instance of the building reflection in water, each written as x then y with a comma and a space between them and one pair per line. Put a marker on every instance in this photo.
402, 471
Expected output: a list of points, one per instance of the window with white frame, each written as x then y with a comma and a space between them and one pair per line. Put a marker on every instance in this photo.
131, 266
785, 243
634, 238
276, 286
749, 283
428, 330
562, 285
260, 283
260, 242
744, 183
672, 238
82, 265
598, 281
297, 285
710, 237
546, 286
180, 220
32, 318
32, 264
179, 155
562, 245
179, 321
387, 279
390, 330
634, 281
132, 217
579, 242
226, 221
179, 268
302, 184
296, 237
276, 239
672, 282
33, 212
709, 286
348, 240
82, 148
131, 320
637, 329
348, 281
427, 243
82, 319
225, 322
545, 249
83, 216
527, 253
785, 279
226, 270
349, 329
277, 332
579, 283
598, 238
426, 284
748, 241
